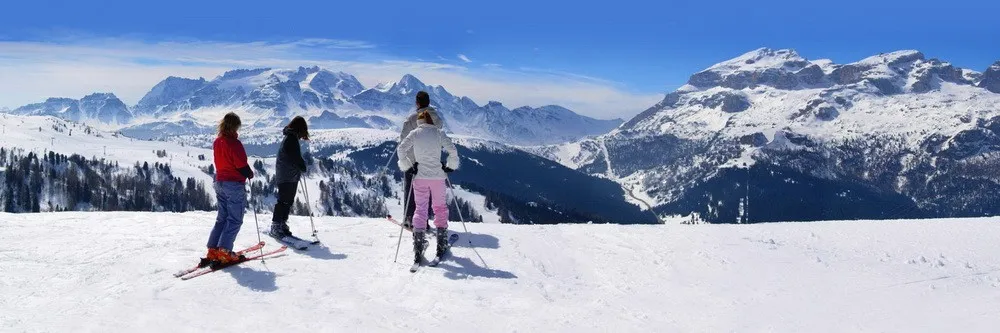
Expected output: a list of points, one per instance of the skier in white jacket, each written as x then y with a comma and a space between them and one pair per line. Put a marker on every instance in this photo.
426, 143
423, 104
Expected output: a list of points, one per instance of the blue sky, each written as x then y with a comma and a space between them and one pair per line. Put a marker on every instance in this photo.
605, 59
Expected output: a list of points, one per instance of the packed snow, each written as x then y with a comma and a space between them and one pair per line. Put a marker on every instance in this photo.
113, 272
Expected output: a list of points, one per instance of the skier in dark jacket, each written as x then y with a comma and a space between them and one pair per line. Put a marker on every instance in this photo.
288, 171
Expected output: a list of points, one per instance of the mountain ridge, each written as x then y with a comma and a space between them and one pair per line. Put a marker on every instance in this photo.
270, 96
897, 127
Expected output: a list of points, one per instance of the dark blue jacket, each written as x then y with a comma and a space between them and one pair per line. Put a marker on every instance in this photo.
290, 165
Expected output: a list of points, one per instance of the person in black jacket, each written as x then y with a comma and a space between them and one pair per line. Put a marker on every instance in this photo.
288, 170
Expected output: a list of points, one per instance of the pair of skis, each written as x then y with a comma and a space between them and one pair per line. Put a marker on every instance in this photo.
204, 266
452, 239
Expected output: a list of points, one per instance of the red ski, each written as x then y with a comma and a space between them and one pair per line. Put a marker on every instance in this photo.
209, 270
204, 262
397, 223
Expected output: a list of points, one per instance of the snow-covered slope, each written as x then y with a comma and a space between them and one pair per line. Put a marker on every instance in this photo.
931, 275
526, 125
896, 123
520, 187
495, 179
329, 119
42, 134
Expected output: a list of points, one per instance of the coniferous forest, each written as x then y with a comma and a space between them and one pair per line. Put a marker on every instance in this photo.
49, 182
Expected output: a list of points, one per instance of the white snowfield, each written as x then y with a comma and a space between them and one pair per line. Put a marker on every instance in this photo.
112, 272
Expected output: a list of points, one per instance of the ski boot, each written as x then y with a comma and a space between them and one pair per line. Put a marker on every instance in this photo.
442, 242
280, 230
419, 245
209, 258
225, 258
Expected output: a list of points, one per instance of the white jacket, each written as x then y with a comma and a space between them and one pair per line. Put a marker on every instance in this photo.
412, 123
426, 143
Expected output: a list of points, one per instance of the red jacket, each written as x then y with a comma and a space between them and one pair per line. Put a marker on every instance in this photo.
229, 158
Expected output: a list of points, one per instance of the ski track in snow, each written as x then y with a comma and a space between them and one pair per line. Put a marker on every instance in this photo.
99, 272
607, 159
630, 195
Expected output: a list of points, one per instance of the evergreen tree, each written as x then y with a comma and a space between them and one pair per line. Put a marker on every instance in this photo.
8, 204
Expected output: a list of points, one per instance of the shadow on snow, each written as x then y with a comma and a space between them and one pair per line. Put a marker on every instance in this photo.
253, 279
458, 268
320, 251
482, 241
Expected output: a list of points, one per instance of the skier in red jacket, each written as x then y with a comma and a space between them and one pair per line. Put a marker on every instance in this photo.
231, 173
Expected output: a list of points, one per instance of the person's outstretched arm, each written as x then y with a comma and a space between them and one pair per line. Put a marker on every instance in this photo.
449, 147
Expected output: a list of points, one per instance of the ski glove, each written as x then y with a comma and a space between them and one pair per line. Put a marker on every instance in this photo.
246, 172
413, 169
447, 169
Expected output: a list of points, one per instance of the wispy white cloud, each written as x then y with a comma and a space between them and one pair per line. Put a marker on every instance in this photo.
462, 57
129, 67
333, 43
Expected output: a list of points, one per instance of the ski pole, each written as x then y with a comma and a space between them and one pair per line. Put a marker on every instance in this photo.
399, 241
386, 167
451, 187
253, 207
406, 204
305, 191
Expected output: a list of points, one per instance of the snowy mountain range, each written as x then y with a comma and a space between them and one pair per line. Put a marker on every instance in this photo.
770, 135
100, 108
766, 136
269, 97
